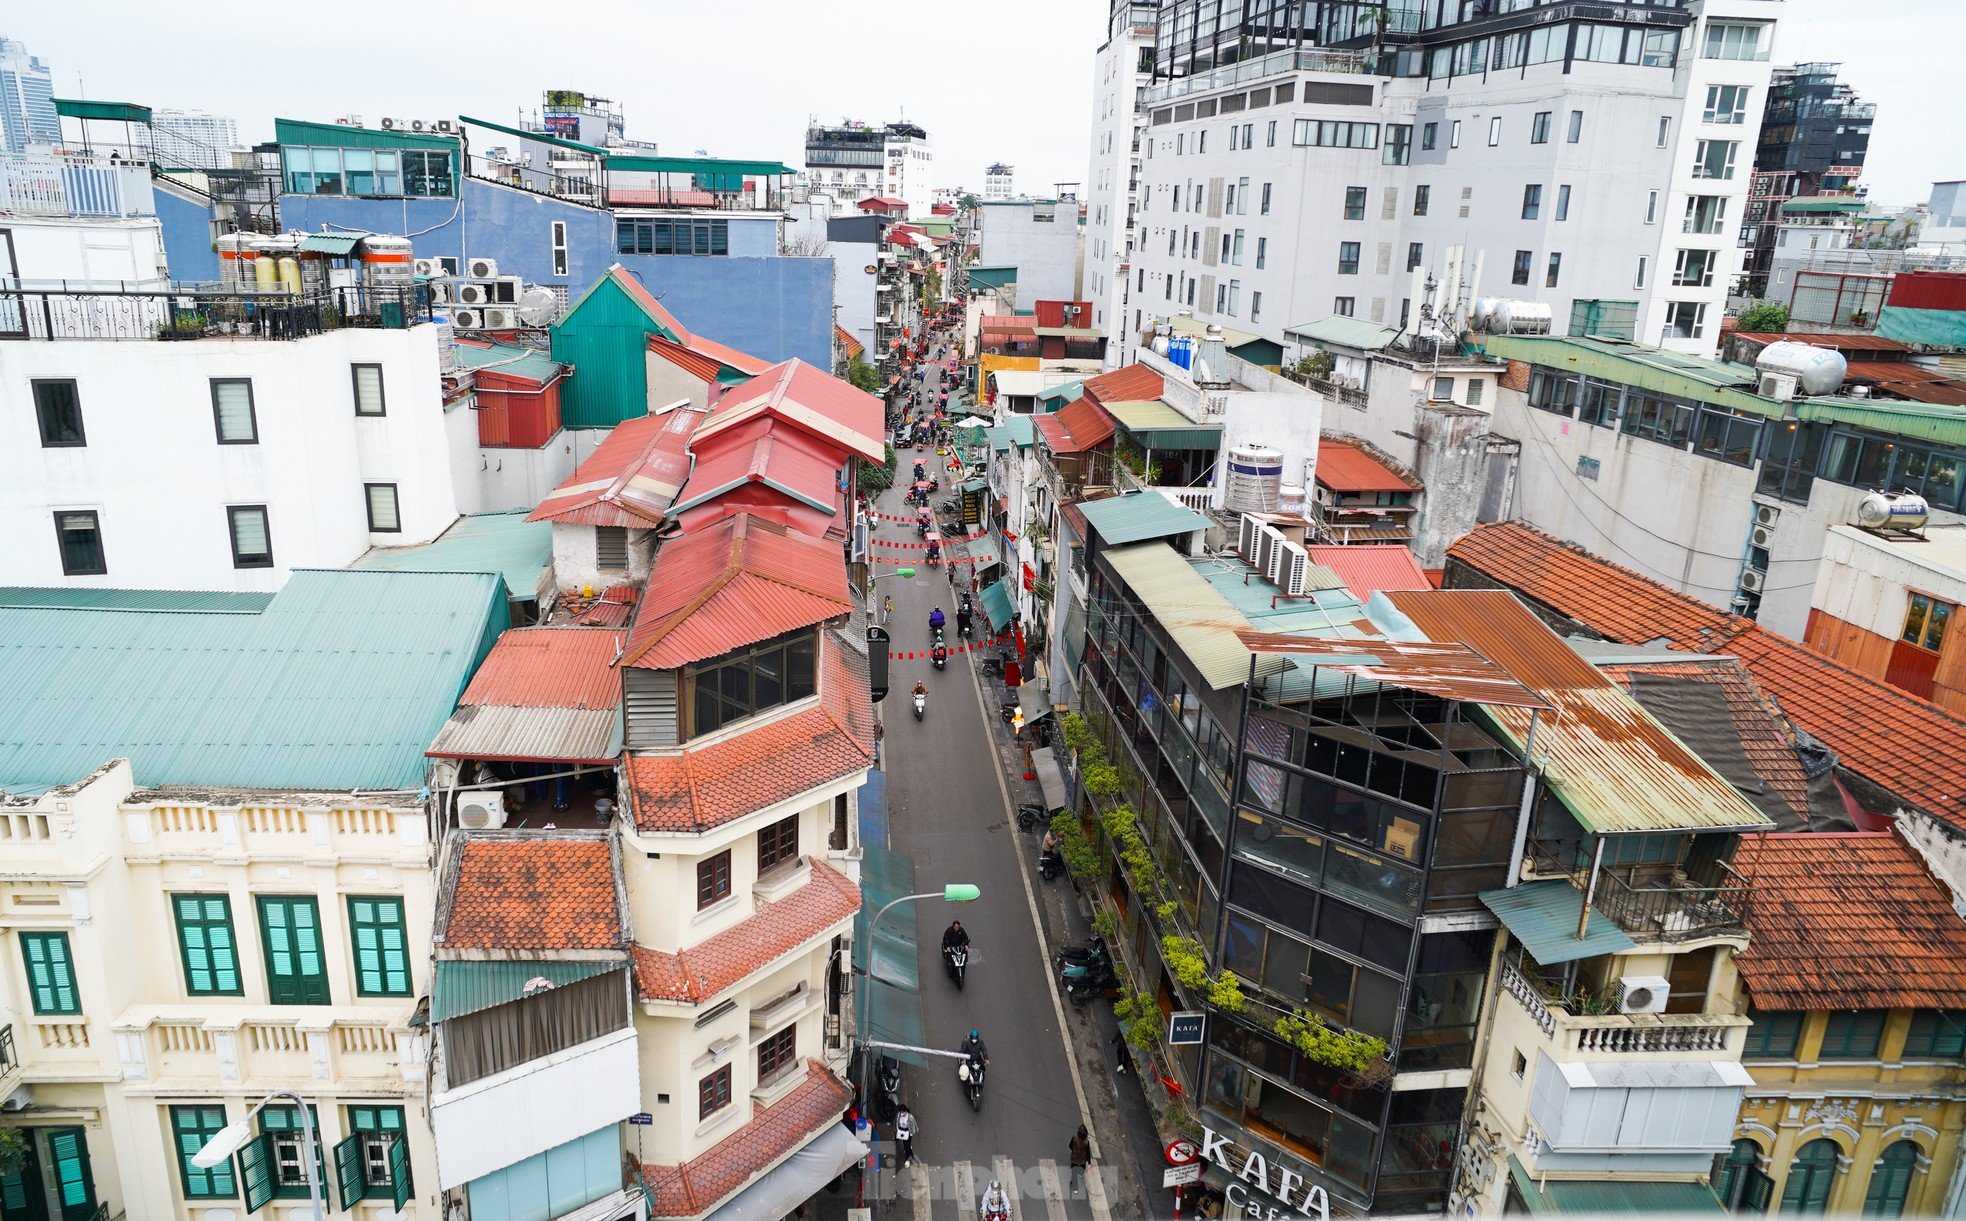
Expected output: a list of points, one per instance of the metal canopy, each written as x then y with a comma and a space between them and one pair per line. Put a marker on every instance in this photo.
469, 987
1543, 916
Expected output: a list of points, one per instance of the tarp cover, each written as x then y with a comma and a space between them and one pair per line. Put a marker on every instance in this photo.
796, 1179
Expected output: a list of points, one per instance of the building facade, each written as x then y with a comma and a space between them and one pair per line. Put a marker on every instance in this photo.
1884, 605
1121, 69
192, 139
1033, 243
853, 160
1814, 136
998, 181
27, 99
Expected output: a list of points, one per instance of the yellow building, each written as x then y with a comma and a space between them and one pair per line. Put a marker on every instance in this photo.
1855, 978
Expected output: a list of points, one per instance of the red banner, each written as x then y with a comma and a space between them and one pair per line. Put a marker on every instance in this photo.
1030, 578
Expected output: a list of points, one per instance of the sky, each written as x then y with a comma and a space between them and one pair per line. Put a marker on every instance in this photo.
1002, 80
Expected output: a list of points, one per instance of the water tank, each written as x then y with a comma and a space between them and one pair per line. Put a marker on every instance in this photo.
1482, 316
385, 260
1291, 498
289, 274
266, 268
236, 254
1889, 510
1816, 370
1255, 479
1181, 351
1509, 317
1210, 365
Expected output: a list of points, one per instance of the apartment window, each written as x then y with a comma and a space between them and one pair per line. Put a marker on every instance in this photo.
645, 235
290, 937
1221, 298
778, 1053
559, 247
1714, 159
1852, 1035
232, 411
1576, 132
50, 974
1925, 621
1454, 134
713, 1093
712, 879
1422, 194
1936, 1034
1262, 251
1235, 297
192, 1127
1694, 268
383, 515
252, 543
1657, 419
1201, 140
1443, 389
206, 946
1255, 306
1774, 1036
1495, 131
1265, 209
1539, 128
1347, 258
1180, 143
381, 943
1270, 139
284, 1141
1556, 267
1191, 292
1235, 136
1325, 133
1354, 203
1399, 144
1733, 42
1429, 136
1344, 306
78, 535
1167, 291
1229, 205
1523, 260
1704, 214
1726, 437
1726, 104
1474, 391
1249, 135
778, 843
1638, 280
1235, 249
1665, 129
58, 410
1414, 253
1651, 206
1170, 242
1563, 202
374, 1162
1242, 198
1532, 201
368, 386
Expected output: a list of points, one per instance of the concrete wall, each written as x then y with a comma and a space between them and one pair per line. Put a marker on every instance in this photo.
1045, 253
575, 562
495, 480
59, 248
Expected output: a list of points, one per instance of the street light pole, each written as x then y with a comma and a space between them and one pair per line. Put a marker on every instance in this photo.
955, 892
227, 1141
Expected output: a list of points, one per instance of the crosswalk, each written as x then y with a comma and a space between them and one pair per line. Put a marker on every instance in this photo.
1042, 1192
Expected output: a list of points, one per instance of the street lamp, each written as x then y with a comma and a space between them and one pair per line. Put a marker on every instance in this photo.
229, 1139
954, 892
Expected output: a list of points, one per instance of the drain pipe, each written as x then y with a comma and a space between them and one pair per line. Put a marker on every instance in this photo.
1528, 801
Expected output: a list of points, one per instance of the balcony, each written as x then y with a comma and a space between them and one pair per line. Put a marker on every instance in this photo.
74, 184
1352, 63
523, 1111
165, 832
266, 1046
200, 311
1664, 1037
1654, 905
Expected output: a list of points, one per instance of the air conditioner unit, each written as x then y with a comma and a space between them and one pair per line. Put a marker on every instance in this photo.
1777, 386
1766, 515
391, 124
473, 294
1752, 579
1642, 994
427, 268
482, 269
444, 125
506, 290
440, 293
501, 318
1246, 537
1267, 542
1295, 566
416, 124
1761, 536
467, 319
481, 811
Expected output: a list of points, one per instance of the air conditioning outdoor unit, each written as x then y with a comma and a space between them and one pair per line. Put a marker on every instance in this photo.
416, 124
1642, 994
1766, 515
1761, 536
481, 811
506, 290
427, 268
1777, 386
1267, 542
501, 318
467, 319
1752, 579
1294, 567
1277, 561
440, 294
1246, 535
391, 124
473, 294
482, 269
444, 125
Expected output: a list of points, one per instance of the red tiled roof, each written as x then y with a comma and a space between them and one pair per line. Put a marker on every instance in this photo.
733, 583
1089, 424
534, 892
549, 667
1130, 384
774, 1133
807, 398
1368, 568
706, 786
630, 478
1851, 342
763, 454
848, 344
1915, 382
700, 972
1848, 920
1344, 467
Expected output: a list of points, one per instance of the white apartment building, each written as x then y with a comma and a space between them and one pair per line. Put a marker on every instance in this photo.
27, 99
192, 138
1595, 162
854, 160
998, 181
1121, 72
1035, 241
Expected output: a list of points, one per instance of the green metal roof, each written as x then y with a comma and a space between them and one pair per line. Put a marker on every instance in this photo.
508, 359
1156, 425
1820, 204
997, 603
1345, 332
1332, 613
1610, 1197
331, 243
1924, 421
119, 112
1060, 395
1200, 621
340, 135
195, 600
1543, 917
976, 485
339, 683
1673, 374
605, 336
539, 136
507, 544
991, 277
462, 988
697, 165
1138, 516
1015, 431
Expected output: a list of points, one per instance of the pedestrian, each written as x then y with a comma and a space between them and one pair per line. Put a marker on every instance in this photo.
1119, 1053
887, 608
904, 1134
1081, 1148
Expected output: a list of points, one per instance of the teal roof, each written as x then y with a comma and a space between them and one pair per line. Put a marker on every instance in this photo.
1061, 395
1931, 328
1332, 612
1674, 374
1017, 431
1345, 332
997, 604
338, 244
1138, 516
1822, 204
517, 550
467, 987
341, 135
1609, 1197
1543, 917
340, 682
543, 137
991, 277
509, 359
698, 165
209, 601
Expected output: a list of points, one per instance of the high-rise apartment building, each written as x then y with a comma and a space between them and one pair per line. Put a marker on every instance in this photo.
27, 99
1121, 71
1814, 136
853, 158
192, 138
1314, 160
998, 181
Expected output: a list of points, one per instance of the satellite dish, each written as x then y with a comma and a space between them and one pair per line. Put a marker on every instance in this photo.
539, 306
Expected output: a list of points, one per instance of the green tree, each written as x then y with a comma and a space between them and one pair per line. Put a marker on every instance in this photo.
874, 480
862, 376
1763, 317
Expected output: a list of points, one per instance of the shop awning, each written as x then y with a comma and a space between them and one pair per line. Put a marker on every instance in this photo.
330, 243
1543, 917
891, 955
469, 987
1051, 777
976, 485
115, 112
795, 1180
997, 604
1604, 1197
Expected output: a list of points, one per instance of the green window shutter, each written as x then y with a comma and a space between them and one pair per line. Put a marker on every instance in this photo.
207, 946
382, 961
75, 1185
13, 1191
191, 1128
290, 934
50, 973
256, 1171
283, 1124
399, 1170
348, 1170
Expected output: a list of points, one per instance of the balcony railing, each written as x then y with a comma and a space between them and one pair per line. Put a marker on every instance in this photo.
1659, 906
283, 831
166, 1044
1579, 1035
62, 184
185, 312
1349, 62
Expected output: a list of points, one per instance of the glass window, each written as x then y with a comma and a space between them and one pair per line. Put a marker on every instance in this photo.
252, 541
1694, 268
765, 676
1354, 203
1532, 201
192, 1128
1774, 1036
58, 410
1556, 267
1421, 196
713, 1093
1495, 131
1399, 144
208, 949
1714, 158
427, 174
1936, 1034
376, 1139
384, 517
50, 974
1524, 263
368, 389
1429, 136
1726, 104
1926, 619
778, 843
1730, 1183
780, 1051
1454, 134
1415, 254
1291, 851
1344, 305
288, 1144
358, 165
1576, 132
388, 172
327, 171
1729, 438
232, 411
382, 964
712, 879
1563, 202
1539, 127
1852, 1035
1724, 41
1348, 258
1685, 319
78, 536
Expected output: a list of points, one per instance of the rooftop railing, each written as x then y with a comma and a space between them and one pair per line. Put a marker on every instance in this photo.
74, 184
1275, 64
190, 312
1658, 904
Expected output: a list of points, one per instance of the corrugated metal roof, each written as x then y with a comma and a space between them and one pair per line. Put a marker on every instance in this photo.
1201, 622
113, 112
1344, 467
1128, 383
1019, 383
998, 604
550, 667
1138, 516
340, 683
1914, 382
1612, 1197
1367, 568
1156, 425
603, 336
1543, 916
631, 478
1062, 394
698, 165
201, 601
1447, 669
507, 360
462, 988
1346, 332
810, 398
1675, 374
1086, 422
534, 735
780, 459
1016, 431
509, 544
331, 243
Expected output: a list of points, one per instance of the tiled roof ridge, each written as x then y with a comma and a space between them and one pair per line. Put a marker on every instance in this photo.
693, 985
811, 1106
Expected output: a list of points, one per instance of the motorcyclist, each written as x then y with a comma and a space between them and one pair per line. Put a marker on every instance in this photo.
937, 620
995, 1205
962, 622
921, 689
973, 1046
955, 936
940, 653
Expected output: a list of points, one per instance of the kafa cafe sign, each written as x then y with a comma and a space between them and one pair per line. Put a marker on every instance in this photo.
1261, 1191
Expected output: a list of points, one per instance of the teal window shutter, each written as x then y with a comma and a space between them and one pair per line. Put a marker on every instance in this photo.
257, 1171
207, 946
382, 962
290, 934
191, 1128
50, 973
399, 1169
75, 1184
348, 1170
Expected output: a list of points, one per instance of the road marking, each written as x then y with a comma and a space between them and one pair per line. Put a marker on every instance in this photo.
965, 1192
918, 1177
1005, 1173
1054, 1195
1095, 1190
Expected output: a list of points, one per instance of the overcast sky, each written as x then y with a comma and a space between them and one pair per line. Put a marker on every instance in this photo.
993, 80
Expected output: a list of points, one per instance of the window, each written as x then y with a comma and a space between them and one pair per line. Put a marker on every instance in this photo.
286, 1141
1235, 136
1429, 136
50, 974
1576, 132
78, 535
1421, 197
58, 409
1399, 144
252, 545
1454, 134
1518, 1065
1704, 214
1638, 278
1694, 268
712, 879
1235, 249
1262, 251
1265, 209
1552, 392
1556, 266
1221, 298
1714, 159
1324, 133
611, 546
1474, 391
1539, 128
778, 843
1235, 296
373, 1163
713, 1093
1740, 1167
1532, 201
192, 1127
232, 411
1523, 260
1347, 258
1936, 1034
1925, 621
1495, 131
1270, 141
768, 675
1890, 1180
290, 937
1255, 306
1242, 198
1726, 104
383, 515
1852, 1034
1810, 1176
1651, 206
1229, 204
206, 945
1344, 306
778, 1053
1733, 42
381, 943
680, 235
1685, 319
1201, 140
1774, 1036
1354, 203
368, 386
1729, 438
1665, 129
1414, 254
1657, 419
559, 232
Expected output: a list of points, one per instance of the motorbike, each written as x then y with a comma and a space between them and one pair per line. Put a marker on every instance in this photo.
1077, 961
887, 1084
956, 960
1030, 816
970, 1073
993, 667
1050, 865
963, 625
939, 655
921, 704
997, 1212
921, 527
936, 622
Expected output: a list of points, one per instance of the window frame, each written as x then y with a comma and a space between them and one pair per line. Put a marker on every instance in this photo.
1783, 1037
299, 987
35, 386
1532, 201
1918, 630
1925, 1044
218, 415
220, 1182
368, 507
1563, 202
1574, 133
356, 927
1495, 131
778, 843
1348, 256
713, 1092
355, 369
713, 880
778, 1053
205, 923
1355, 201
55, 1004
101, 567
1555, 271
232, 513
1522, 267
1852, 1034
1422, 198
1539, 127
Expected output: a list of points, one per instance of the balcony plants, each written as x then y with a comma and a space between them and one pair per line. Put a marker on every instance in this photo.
1361, 1056
15, 1151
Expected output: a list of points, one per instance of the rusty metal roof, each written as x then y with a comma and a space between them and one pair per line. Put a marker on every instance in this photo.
1447, 669
542, 694
631, 478
1203, 624
811, 399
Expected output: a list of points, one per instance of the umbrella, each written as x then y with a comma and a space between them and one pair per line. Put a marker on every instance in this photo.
972, 421
922, 486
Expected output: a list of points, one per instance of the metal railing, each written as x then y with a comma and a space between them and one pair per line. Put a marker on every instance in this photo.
1670, 908
186, 312
1276, 63
1617, 1033
78, 184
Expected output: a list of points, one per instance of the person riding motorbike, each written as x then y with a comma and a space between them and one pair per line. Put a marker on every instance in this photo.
973, 1046
995, 1205
955, 935
939, 654
937, 620
962, 622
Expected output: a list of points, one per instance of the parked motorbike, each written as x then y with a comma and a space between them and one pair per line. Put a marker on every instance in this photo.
956, 960
1050, 864
970, 1073
1030, 816
993, 667
1077, 961
887, 1084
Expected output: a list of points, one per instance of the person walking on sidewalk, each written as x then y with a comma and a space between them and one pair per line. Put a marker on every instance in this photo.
904, 1134
1081, 1148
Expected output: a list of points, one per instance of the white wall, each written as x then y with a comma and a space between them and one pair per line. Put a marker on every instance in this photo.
61, 248
154, 471
1045, 253
497, 480
1116, 81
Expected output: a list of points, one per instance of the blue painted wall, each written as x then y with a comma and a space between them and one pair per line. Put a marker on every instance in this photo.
770, 306
187, 229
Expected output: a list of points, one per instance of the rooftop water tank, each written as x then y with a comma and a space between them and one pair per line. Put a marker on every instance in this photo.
386, 260
236, 253
1503, 316
1816, 370
1891, 510
1255, 479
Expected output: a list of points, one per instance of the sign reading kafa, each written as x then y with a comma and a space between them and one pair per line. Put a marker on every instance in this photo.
1253, 1175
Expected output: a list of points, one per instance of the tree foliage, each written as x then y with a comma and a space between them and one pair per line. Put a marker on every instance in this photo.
862, 376
1763, 317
